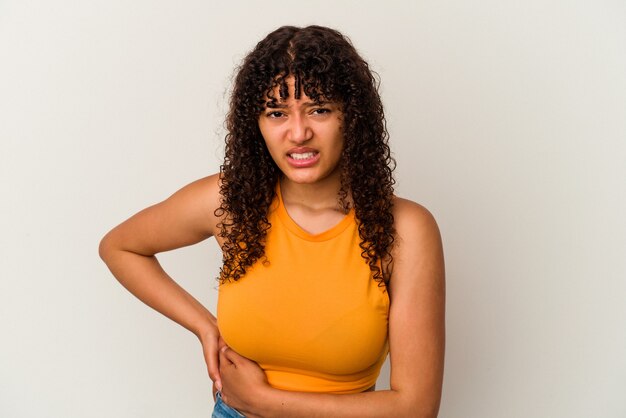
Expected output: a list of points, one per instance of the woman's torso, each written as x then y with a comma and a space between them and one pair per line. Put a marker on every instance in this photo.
310, 314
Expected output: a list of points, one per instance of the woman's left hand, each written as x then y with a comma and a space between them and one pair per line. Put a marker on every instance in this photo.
243, 381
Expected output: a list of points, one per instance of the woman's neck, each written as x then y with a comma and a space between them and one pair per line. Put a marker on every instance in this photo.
321, 195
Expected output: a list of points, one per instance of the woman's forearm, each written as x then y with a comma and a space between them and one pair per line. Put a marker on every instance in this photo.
144, 277
377, 404
246, 388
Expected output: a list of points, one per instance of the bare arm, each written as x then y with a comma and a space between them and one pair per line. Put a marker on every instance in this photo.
129, 251
416, 340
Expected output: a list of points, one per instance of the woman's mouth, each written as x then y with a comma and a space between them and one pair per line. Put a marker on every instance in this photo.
302, 159
302, 155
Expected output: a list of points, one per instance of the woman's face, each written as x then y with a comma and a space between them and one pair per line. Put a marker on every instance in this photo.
304, 138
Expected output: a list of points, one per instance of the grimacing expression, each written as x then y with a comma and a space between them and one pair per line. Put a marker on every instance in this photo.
304, 137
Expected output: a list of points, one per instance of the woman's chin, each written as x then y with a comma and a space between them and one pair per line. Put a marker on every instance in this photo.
305, 178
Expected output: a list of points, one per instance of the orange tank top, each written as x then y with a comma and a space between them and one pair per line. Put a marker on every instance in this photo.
311, 315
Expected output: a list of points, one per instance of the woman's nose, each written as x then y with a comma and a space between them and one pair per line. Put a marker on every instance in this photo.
299, 129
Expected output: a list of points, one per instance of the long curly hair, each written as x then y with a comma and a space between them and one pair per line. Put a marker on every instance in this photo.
326, 67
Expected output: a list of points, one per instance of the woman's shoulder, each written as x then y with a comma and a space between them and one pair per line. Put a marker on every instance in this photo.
203, 192
417, 251
197, 202
416, 230
409, 216
207, 187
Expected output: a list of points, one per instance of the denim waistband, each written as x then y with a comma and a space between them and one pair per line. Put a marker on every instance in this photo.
221, 410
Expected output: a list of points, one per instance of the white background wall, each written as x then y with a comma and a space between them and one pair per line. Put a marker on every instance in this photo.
507, 120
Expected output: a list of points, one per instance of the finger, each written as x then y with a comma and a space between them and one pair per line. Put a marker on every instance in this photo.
212, 360
224, 360
231, 355
221, 343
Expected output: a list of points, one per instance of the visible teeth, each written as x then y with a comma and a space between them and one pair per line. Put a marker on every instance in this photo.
302, 156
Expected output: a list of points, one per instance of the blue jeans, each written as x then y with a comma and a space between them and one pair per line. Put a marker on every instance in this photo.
221, 410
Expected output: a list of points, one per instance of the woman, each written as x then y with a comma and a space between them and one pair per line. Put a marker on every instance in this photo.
324, 269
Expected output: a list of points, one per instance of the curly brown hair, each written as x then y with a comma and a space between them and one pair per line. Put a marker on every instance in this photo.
326, 67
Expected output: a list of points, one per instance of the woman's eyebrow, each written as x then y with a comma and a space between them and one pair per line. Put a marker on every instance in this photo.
308, 103
312, 103
275, 105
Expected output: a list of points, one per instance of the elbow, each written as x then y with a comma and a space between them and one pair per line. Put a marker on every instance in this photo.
421, 412
429, 408
419, 407
105, 248
430, 413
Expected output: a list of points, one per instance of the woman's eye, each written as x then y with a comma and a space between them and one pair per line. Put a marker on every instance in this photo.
274, 114
321, 111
